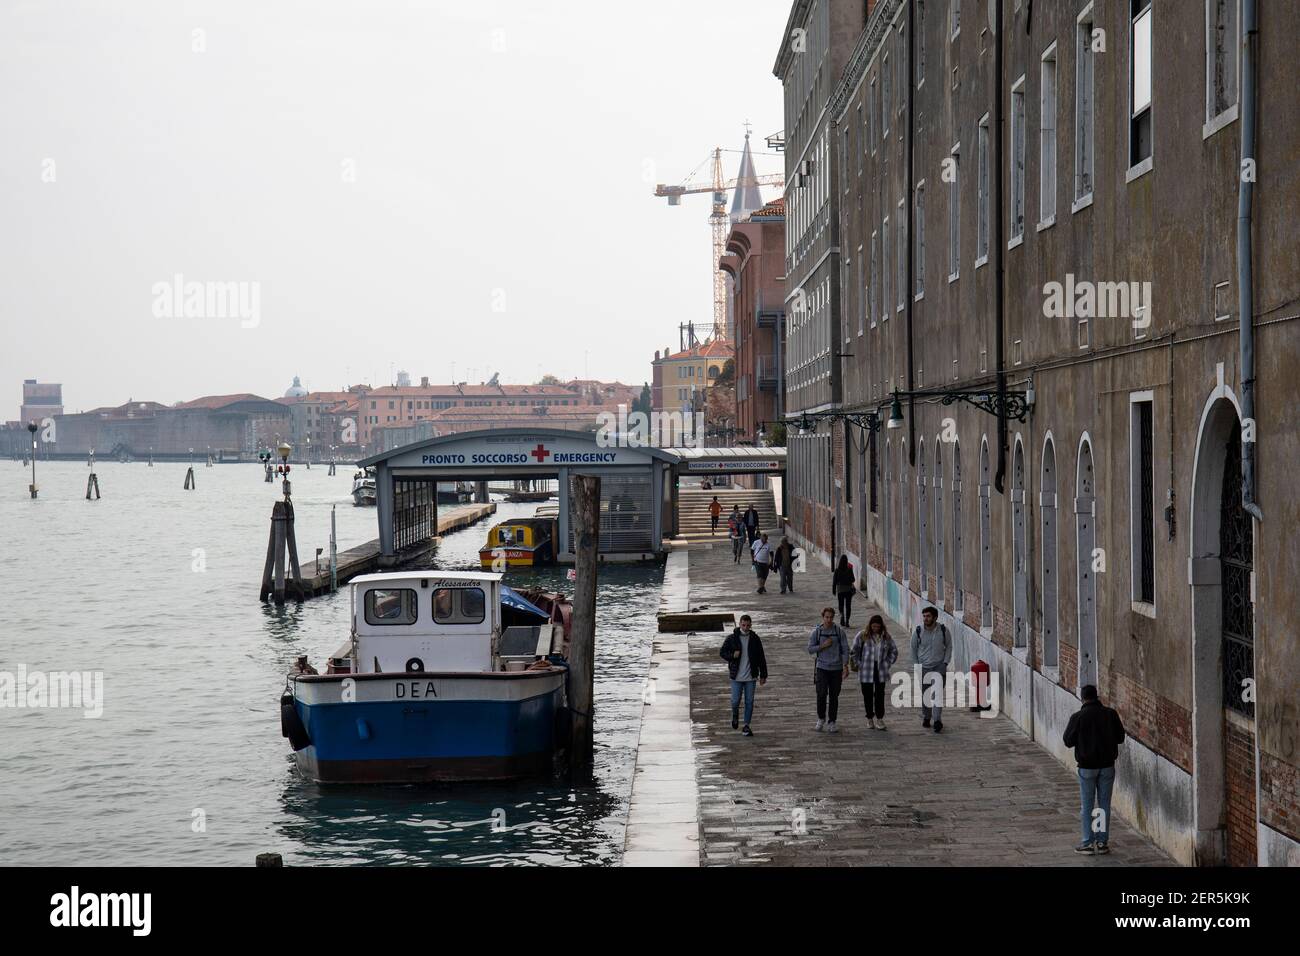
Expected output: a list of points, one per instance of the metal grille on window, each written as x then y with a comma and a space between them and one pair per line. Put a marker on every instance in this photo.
1236, 551
626, 514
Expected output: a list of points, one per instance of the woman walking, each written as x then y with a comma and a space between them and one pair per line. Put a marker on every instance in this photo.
843, 586
873, 654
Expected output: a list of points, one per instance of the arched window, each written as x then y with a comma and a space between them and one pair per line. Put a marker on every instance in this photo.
1019, 550
922, 519
1089, 561
958, 555
986, 540
1050, 587
938, 519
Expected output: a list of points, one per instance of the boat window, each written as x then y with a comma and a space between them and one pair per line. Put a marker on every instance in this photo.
459, 605
390, 606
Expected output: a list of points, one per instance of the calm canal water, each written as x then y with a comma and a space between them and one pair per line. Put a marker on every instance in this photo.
157, 588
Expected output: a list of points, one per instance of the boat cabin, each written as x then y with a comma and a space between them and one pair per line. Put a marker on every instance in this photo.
442, 621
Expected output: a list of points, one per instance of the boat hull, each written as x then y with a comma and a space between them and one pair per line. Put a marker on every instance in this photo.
423, 728
493, 558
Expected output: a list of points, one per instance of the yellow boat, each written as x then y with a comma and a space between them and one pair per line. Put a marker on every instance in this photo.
519, 543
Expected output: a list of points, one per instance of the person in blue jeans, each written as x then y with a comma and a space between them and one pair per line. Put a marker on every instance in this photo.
1095, 732
747, 666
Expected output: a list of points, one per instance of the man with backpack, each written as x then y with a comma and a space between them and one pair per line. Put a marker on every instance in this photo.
932, 653
762, 553
830, 646
743, 652
1095, 732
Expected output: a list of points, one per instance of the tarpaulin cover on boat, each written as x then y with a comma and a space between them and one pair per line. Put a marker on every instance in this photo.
510, 598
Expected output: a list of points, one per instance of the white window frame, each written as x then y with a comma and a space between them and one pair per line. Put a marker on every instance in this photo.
1145, 608
875, 276
954, 216
918, 242
1047, 136
1217, 121
1083, 55
901, 234
954, 19
1145, 165
862, 295
1017, 158
983, 222
884, 271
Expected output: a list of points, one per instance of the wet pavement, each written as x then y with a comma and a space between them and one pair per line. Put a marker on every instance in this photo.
979, 794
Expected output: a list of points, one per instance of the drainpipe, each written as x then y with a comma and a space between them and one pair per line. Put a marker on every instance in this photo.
996, 215
911, 243
1245, 290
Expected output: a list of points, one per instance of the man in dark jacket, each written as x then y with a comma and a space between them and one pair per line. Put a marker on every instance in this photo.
750, 520
1095, 733
743, 652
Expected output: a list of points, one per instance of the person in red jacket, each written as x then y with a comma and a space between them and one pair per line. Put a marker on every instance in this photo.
1095, 733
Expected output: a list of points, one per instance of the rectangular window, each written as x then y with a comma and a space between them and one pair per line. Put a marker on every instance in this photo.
920, 43
982, 192
459, 605
887, 100
954, 217
901, 229
862, 137
1139, 130
901, 61
884, 271
1142, 499
848, 463
871, 115
954, 10
862, 296
1083, 107
1018, 159
918, 232
871, 472
875, 280
1047, 138
390, 606
1221, 46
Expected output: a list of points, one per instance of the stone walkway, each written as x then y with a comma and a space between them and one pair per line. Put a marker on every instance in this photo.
979, 794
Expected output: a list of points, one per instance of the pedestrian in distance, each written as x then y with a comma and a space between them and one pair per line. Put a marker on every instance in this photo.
1095, 732
747, 666
762, 554
830, 647
751, 523
932, 653
736, 532
843, 586
715, 512
783, 560
872, 655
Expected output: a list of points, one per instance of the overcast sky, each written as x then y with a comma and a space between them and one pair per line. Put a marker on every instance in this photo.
409, 184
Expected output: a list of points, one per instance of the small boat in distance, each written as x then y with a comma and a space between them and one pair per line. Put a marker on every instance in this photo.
519, 543
363, 487
447, 676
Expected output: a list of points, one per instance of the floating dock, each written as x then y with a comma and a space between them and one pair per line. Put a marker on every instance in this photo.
364, 558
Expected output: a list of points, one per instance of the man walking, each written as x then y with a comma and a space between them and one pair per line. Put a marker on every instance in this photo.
743, 652
762, 552
830, 647
715, 512
736, 532
751, 523
932, 653
784, 562
1095, 732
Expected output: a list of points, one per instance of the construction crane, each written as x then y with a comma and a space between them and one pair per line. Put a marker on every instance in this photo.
719, 222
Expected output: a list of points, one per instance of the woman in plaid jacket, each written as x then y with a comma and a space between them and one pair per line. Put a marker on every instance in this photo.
872, 654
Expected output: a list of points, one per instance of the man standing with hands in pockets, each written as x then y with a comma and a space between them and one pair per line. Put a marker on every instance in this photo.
831, 648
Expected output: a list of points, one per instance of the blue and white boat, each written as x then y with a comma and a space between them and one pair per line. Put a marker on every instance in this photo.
446, 676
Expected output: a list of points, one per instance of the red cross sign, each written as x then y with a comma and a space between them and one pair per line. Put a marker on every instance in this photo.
540, 453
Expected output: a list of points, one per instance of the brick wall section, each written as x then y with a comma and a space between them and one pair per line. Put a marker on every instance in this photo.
971, 614
1174, 727
1069, 667
1239, 749
1002, 628
1279, 794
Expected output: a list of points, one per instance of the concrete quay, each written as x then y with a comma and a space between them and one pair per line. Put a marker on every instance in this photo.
979, 794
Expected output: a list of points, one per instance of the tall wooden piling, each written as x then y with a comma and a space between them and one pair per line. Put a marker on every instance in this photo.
585, 513
281, 574
190, 484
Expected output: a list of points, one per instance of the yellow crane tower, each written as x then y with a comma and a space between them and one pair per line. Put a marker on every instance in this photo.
719, 220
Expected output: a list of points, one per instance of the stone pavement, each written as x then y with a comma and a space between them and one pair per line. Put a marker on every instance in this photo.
979, 794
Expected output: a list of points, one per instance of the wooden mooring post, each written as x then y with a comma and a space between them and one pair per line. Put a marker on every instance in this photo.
585, 513
92, 480
190, 484
282, 548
